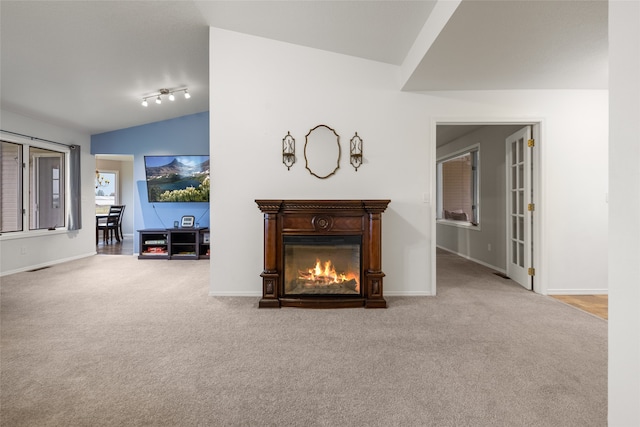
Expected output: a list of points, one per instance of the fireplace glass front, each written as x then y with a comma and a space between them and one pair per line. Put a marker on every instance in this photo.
322, 265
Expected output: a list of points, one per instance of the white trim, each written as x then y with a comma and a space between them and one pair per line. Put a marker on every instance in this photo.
476, 199
235, 294
25, 234
519, 274
116, 185
538, 180
259, 295
46, 264
459, 153
407, 294
27, 181
460, 224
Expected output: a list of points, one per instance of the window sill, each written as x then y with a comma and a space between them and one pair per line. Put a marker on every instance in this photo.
13, 235
459, 224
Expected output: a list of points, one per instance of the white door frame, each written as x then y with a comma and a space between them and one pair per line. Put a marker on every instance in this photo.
537, 179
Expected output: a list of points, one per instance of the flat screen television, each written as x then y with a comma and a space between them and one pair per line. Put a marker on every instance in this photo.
177, 178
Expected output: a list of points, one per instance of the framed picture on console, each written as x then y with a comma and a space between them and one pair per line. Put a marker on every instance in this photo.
187, 221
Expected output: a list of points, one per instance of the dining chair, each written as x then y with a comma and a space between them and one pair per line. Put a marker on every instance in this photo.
120, 218
112, 224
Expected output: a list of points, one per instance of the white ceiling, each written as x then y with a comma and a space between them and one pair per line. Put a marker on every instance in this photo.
87, 64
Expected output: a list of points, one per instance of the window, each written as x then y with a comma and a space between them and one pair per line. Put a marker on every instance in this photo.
46, 188
11, 188
43, 205
106, 190
457, 187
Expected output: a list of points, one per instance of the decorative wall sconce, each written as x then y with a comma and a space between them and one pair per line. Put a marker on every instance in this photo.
355, 152
288, 150
165, 92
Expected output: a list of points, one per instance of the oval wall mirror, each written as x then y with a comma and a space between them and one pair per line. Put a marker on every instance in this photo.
322, 151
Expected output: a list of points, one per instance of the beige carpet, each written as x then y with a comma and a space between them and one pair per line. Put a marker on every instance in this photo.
114, 341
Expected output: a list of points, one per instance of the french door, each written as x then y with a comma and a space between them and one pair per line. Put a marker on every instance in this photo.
520, 207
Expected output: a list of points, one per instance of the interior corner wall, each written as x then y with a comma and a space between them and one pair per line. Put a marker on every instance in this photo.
261, 89
180, 136
26, 251
624, 204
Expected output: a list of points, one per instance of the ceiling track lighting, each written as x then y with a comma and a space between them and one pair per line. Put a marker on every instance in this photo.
165, 92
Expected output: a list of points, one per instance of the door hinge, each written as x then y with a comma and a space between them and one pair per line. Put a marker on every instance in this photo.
531, 143
531, 271
531, 207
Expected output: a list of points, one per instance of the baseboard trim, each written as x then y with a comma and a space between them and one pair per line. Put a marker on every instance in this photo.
46, 264
407, 294
235, 294
477, 261
256, 294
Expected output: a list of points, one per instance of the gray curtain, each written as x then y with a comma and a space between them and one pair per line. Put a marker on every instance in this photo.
75, 213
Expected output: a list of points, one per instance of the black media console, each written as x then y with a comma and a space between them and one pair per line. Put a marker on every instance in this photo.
174, 243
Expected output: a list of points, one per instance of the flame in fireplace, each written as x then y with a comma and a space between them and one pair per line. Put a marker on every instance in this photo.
324, 274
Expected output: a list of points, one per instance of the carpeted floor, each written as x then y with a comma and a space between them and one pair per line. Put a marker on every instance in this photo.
116, 341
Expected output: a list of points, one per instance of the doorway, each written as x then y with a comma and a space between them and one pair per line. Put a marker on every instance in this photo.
115, 185
489, 240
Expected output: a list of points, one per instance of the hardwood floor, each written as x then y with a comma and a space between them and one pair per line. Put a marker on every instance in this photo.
125, 247
597, 305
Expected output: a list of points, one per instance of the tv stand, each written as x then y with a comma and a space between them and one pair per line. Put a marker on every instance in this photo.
174, 243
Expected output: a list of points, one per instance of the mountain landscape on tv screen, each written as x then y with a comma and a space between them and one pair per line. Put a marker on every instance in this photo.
180, 179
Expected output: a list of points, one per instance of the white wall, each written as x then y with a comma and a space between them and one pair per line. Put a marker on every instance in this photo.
261, 89
43, 248
472, 243
571, 205
624, 205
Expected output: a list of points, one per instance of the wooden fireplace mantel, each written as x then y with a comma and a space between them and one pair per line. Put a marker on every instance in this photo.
323, 217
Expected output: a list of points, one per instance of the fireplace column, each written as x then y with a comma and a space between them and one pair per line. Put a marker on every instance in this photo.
270, 275
373, 273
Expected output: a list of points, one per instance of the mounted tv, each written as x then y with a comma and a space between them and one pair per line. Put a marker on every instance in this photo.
177, 178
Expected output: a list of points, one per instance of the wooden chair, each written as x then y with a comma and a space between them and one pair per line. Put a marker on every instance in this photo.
120, 218
112, 224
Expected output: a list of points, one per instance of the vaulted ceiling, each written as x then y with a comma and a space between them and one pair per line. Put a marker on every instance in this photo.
87, 65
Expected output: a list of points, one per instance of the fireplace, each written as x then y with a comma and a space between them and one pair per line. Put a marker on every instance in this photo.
322, 253
321, 265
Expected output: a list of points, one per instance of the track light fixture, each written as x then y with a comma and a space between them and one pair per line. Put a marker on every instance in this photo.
165, 92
